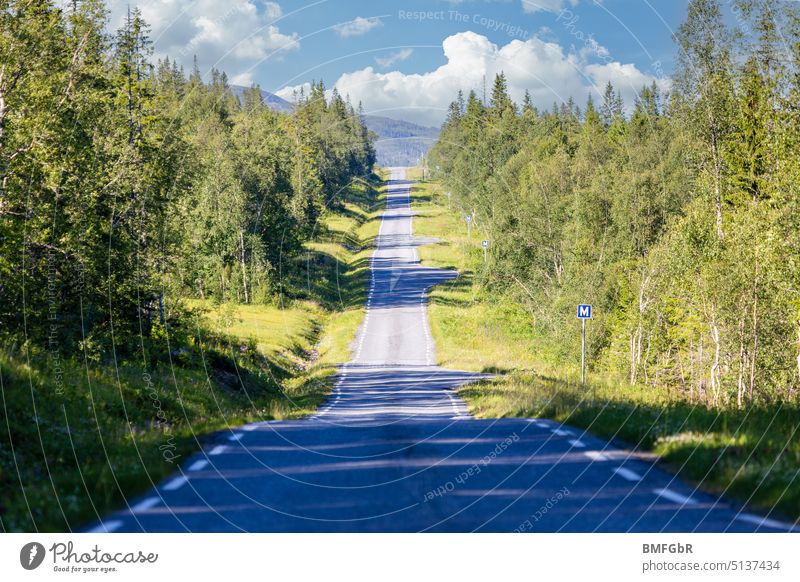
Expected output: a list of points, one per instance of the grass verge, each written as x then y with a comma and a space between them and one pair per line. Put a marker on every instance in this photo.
78, 437
750, 455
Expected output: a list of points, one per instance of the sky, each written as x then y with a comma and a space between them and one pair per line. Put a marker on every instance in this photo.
407, 59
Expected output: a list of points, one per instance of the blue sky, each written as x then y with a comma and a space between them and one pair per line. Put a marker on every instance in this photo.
406, 59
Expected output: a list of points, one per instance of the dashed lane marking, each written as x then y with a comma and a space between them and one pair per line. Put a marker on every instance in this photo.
176, 483
765, 522
627, 474
596, 456
198, 465
107, 526
145, 504
674, 496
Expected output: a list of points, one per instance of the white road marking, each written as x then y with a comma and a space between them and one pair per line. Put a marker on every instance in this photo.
627, 474
107, 526
145, 504
674, 496
765, 522
235, 437
176, 483
218, 450
559, 432
596, 455
577, 443
198, 465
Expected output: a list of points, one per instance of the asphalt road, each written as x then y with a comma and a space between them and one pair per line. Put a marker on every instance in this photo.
395, 449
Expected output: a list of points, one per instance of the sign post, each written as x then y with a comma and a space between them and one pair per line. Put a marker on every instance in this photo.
469, 227
449, 196
584, 313
485, 245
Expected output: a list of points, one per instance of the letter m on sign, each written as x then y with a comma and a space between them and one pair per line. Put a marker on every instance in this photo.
584, 311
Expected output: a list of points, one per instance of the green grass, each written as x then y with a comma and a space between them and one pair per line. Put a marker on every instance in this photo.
107, 431
750, 455
471, 332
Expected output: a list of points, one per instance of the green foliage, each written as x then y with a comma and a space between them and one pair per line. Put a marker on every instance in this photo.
127, 186
128, 193
676, 218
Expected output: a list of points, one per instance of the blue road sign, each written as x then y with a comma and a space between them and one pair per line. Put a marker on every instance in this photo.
485, 244
584, 311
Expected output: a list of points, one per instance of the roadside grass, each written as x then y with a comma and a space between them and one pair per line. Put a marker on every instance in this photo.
471, 331
78, 438
750, 455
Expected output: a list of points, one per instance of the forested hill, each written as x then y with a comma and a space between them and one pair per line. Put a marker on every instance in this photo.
397, 142
677, 216
400, 143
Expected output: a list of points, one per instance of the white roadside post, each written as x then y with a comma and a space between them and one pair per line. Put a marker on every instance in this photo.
449, 197
485, 245
469, 227
584, 313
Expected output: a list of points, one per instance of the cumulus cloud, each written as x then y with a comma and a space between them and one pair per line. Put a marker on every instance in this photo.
399, 56
233, 35
357, 27
550, 73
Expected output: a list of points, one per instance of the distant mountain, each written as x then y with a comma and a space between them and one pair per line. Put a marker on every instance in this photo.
399, 143
273, 101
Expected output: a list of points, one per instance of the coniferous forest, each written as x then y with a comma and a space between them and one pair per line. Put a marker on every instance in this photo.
176, 258
127, 185
129, 188
677, 216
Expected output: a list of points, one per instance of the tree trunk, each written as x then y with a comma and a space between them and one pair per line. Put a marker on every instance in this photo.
3, 114
717, 185
3, 109
740, 382
244, 269
716, 388
754, 355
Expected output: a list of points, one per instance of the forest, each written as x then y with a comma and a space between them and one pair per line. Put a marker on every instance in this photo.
158, 280
129, 185
677, 216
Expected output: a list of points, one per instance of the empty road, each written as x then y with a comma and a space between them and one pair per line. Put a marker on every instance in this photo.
395, 449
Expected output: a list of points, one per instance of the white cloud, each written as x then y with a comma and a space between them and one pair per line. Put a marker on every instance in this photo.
358, 26
550, 73
234, 35
399, 56
243, 79
290, 93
